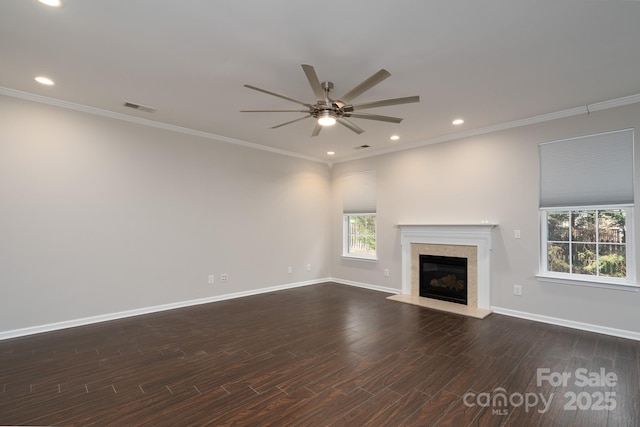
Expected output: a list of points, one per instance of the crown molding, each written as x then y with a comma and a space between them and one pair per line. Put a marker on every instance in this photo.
575, 111
146, 122
612, 103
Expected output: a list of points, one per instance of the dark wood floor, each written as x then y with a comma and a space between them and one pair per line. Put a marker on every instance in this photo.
319, 355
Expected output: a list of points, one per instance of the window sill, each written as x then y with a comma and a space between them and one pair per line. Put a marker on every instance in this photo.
601, 283
359, 258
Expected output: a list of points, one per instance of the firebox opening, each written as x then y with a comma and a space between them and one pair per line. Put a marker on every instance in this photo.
443, 278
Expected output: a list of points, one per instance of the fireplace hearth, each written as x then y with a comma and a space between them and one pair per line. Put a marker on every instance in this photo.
443, 278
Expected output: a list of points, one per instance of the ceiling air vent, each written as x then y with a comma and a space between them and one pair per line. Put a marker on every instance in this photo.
139, 107
361, 147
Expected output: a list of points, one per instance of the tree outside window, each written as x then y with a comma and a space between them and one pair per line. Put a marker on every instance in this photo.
360, 235
589, 242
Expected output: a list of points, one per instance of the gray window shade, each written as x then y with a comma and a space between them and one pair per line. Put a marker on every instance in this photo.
359, 193
587, 171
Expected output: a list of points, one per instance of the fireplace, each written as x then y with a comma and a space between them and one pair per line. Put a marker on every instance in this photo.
471, 242
443, 278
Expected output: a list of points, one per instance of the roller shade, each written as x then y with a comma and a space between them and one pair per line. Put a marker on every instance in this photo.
587, 171
359, 193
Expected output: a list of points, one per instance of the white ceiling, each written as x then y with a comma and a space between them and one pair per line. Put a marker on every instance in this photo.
490, 62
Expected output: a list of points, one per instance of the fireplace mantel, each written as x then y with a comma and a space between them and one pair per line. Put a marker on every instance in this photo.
478, 235
450, 230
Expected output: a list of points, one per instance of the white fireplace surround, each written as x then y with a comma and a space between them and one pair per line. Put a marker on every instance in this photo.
478, 235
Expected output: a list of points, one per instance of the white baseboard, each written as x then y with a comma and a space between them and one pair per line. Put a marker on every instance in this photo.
154, 309
366, 286
569, 323
146, 310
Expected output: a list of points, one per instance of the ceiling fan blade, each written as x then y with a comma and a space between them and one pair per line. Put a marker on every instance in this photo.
273, 111
289, 122
374, 117
317, 129
277, 94
386, 102
365, 86
313, 81
347, 123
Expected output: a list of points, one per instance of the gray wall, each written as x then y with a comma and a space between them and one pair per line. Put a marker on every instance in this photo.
100, 216
490, 177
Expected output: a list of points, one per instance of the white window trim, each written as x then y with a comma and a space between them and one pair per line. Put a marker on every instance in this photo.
628, 284
345, 239
557, 279
359, 258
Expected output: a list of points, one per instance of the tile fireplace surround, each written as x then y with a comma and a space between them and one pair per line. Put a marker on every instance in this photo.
470, 241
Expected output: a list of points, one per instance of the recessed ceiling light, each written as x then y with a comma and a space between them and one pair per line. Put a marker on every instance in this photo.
331, 153
457, 122
44, 80
394, 137
52, 3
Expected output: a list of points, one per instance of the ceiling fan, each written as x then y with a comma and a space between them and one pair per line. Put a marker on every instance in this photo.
328, 111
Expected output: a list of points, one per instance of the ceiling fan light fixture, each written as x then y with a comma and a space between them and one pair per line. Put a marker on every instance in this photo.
326, 119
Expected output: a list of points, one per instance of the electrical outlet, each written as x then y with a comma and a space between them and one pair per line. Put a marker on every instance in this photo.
212, 279
308, 267
386, 272
516, 234
517, 290
224, 277
289, 269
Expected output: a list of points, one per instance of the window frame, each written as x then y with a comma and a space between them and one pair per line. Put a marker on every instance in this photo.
628, 283
345, 238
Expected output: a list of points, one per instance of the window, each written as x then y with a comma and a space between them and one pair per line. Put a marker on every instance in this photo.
590, 242
360, 235
359, 215
586, 209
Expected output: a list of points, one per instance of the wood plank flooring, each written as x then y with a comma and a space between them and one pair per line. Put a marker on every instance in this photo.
322, 355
